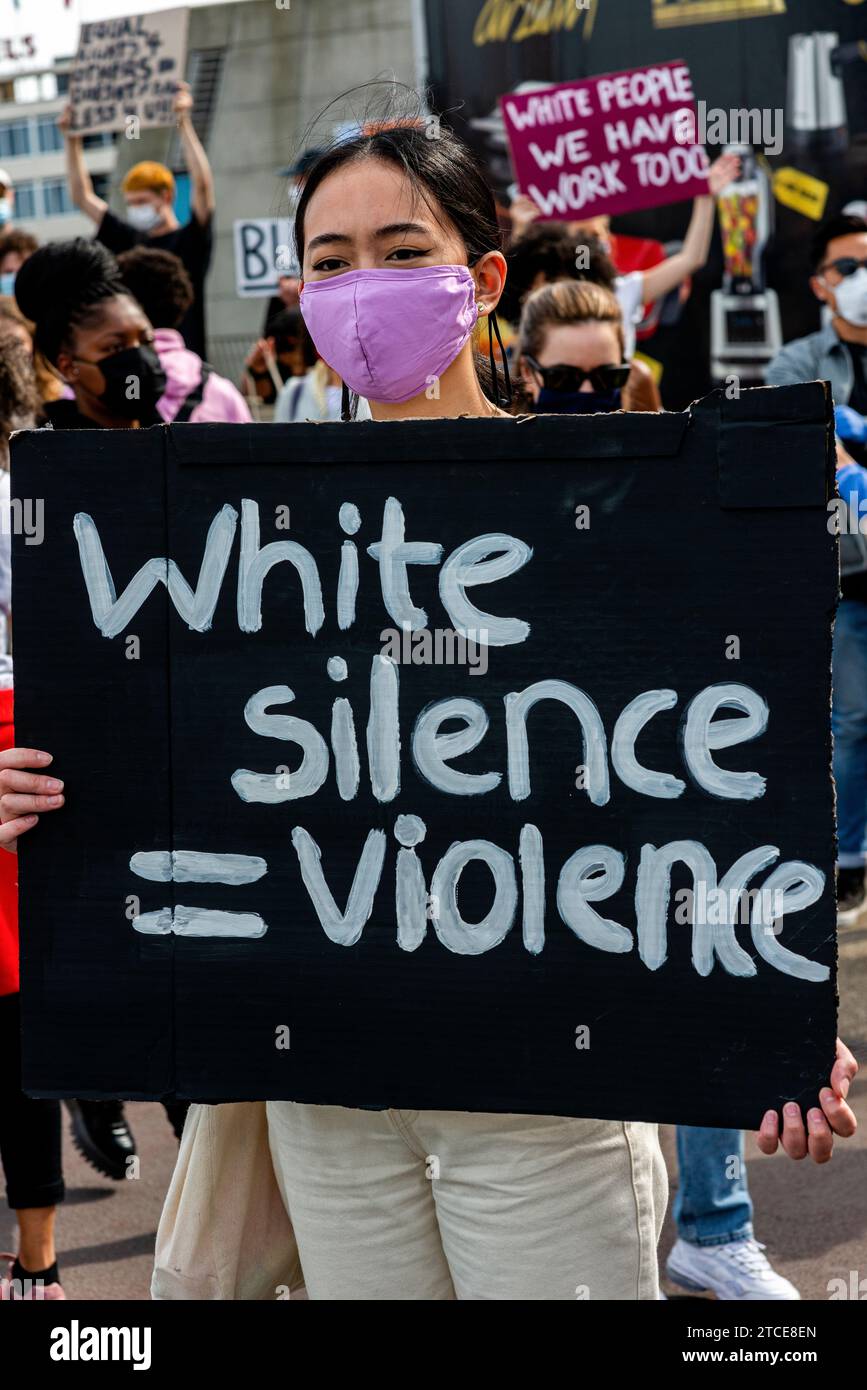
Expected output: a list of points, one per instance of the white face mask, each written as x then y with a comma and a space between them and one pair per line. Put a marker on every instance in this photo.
143, 216
851, 298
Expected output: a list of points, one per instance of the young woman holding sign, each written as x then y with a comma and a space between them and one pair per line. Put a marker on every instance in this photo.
400, 250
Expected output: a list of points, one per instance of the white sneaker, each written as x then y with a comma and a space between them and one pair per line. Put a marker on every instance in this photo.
736, 1270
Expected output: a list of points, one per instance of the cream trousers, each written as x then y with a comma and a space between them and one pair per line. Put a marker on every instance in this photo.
434, 1204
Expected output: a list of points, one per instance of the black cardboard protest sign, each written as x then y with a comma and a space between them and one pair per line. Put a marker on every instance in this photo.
127, 70
251, 892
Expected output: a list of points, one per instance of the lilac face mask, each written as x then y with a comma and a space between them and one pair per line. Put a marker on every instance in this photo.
386, 333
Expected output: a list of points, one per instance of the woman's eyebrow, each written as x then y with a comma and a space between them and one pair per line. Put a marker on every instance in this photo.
327, 236
393, 229
401, 228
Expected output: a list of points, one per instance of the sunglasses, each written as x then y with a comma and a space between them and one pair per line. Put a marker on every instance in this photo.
846, 265
609, 377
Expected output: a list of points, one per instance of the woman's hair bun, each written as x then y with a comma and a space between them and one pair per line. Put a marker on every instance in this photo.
64, 274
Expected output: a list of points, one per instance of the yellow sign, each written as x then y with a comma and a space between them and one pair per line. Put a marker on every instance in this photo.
502, 21
667, 13
801, 192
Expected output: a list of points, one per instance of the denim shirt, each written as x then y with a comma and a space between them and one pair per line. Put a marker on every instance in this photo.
820, 356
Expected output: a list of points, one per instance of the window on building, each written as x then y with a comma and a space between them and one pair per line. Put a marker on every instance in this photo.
25, 201
62, 80
55, 197
50, 138
14, 139
97, 139
27, 88
101, 185
7, 90
34, 86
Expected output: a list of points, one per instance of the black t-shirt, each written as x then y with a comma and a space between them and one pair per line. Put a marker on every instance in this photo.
855, 585
192, 244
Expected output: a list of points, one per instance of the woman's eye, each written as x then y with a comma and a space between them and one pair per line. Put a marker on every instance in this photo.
405, 253
330, 263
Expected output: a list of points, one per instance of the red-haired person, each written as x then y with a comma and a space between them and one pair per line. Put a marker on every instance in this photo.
149, 190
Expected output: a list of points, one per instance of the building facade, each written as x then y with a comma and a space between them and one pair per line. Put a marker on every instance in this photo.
31, 152
261, 73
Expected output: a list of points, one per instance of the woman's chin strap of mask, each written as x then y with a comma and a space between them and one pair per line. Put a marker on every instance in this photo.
502, 399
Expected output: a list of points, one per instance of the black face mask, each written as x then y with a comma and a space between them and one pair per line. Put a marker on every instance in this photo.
551, 402
134, 381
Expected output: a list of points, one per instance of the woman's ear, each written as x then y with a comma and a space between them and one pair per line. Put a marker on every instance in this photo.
65, 366
489, 273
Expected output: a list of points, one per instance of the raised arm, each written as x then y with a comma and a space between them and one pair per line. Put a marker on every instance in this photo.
80, 185
199, 168
693, 254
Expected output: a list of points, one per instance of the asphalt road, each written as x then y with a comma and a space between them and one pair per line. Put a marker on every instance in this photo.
813, 1220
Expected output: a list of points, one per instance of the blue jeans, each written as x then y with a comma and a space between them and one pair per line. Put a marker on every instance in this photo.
849, 723
713, 1203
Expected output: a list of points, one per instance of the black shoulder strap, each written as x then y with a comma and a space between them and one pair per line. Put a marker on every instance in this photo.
194, 398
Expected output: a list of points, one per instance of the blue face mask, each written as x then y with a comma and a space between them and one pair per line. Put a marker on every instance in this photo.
575, 402
7, 282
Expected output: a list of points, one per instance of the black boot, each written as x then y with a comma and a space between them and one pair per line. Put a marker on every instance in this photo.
102, 1136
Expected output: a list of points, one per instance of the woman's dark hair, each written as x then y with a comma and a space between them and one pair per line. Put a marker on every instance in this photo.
442, 170
158, 280
19, 242
63, 286
549, 249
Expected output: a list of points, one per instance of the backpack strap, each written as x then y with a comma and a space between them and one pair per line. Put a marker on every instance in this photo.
193, 398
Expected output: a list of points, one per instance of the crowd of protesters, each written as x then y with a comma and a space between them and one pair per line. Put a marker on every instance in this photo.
537, 1195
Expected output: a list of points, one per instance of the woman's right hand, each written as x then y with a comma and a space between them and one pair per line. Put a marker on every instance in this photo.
24, 794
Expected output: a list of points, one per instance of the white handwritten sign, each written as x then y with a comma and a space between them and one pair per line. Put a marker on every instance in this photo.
264, 250
128, 68
607, 145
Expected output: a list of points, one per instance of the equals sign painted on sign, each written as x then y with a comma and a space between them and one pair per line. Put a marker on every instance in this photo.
195, 866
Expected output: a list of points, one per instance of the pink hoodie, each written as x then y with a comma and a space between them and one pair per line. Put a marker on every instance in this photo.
221, 402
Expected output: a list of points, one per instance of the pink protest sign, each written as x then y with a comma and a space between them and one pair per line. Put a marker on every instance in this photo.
607, 145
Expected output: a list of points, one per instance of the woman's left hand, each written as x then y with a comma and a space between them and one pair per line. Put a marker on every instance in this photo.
816, 1138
